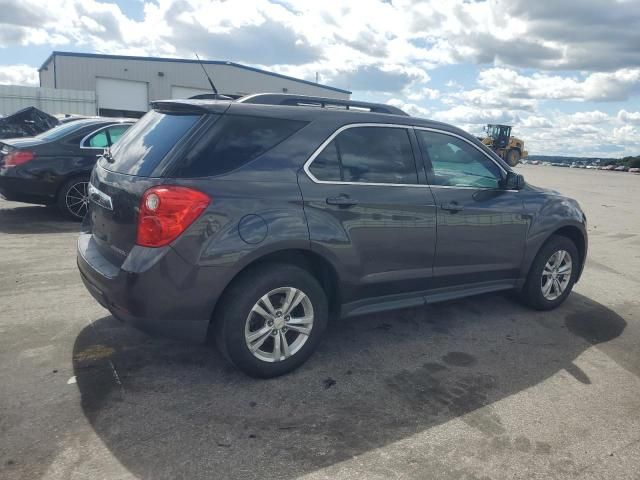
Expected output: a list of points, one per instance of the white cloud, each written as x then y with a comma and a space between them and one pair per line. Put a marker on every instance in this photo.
423, 94
534, 121
628, 117
411, 108
588, 118
465, 115
610, 86
18, 75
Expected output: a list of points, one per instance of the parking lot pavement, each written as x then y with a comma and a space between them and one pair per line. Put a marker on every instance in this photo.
471, 389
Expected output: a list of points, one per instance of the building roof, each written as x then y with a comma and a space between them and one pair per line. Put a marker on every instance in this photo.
185, 60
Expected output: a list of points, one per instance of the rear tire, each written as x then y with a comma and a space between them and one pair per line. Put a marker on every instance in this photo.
513, 157
244, 318
552, 274
73, 198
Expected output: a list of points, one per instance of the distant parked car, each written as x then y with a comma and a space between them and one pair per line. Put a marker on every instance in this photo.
621, 168
634, 170
54, 167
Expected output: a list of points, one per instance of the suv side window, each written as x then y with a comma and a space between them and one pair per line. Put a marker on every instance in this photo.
326, 166
116, 131
456, 163
97, 140
105, 137
233, 141
368, 155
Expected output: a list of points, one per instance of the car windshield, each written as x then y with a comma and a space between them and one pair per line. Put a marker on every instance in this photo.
496, 131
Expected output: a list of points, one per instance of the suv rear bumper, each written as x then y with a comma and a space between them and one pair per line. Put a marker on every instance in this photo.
176, 305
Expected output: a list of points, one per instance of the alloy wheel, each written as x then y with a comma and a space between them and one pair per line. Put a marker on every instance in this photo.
77, 199
556, 275
279, 324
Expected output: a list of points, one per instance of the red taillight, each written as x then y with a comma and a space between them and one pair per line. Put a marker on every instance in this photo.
18, 157
166, 211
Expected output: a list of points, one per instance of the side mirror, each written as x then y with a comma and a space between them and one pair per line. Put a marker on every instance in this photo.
513, 181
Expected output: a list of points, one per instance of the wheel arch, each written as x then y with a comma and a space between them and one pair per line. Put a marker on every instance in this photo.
573, 233
314, 263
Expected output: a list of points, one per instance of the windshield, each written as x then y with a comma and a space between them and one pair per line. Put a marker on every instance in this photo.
496, 131
142, 147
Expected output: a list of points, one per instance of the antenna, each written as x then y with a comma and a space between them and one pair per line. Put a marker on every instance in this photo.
213, 87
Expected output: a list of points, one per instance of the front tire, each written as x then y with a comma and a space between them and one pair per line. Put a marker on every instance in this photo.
552, 274
271, 319
513, 157
73, 198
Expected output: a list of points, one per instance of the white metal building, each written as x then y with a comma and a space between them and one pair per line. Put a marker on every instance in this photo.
125, 85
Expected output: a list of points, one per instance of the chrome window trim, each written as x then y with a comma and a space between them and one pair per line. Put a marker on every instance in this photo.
82, 145
324, 144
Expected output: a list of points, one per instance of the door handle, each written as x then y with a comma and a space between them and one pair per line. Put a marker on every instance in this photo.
452, 207
342, 201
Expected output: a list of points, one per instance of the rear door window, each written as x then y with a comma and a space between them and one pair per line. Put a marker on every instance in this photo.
368, 155
116, 131
98, 140
143, 146
233, 141
326, 166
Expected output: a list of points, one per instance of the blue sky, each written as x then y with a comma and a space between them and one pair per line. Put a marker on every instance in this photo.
566, 75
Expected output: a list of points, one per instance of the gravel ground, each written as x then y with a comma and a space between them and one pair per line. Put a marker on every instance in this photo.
472, 389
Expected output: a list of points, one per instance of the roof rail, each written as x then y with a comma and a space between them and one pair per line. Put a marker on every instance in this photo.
323, 102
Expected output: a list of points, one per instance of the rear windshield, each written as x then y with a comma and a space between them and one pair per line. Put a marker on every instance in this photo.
61, 130
233, 141
147, 142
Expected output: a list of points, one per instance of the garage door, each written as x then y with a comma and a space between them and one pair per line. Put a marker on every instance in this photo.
187, 92
121, 95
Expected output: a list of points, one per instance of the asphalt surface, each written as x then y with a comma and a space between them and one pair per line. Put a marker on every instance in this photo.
473, 389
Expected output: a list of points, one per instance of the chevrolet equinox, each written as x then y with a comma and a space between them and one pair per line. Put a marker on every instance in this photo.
253, 221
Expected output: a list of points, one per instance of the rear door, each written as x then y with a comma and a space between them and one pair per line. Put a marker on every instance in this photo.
369, 209
481, 226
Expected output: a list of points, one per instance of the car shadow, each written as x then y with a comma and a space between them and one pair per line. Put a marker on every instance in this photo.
167, 409
16, 218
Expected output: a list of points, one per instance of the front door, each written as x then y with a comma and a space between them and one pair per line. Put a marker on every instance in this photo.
368, 208
481, 226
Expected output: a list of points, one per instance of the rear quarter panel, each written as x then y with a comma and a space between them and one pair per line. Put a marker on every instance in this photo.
245, 221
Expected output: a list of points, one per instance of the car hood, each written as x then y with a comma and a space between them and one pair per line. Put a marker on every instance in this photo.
547, 191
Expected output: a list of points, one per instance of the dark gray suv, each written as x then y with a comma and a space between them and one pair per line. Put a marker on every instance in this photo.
253, 221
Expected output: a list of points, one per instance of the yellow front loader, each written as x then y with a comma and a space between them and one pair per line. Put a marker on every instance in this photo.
511, 149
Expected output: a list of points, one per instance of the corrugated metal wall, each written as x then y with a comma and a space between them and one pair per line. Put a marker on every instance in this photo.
78, 72
53, 101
